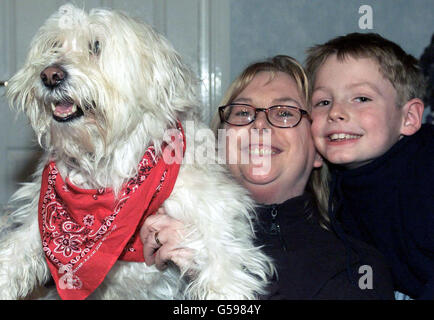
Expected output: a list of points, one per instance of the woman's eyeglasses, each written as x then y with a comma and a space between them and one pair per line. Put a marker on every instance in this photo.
281, 116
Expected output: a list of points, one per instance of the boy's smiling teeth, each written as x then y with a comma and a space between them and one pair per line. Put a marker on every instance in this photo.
343, 136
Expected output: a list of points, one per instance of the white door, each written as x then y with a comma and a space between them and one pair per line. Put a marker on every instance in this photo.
199, 30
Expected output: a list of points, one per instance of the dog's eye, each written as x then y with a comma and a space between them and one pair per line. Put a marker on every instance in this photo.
95, 47
55, 46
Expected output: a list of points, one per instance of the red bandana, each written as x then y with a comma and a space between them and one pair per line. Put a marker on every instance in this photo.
84, 232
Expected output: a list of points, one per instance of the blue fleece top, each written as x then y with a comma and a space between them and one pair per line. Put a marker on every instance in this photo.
389, 203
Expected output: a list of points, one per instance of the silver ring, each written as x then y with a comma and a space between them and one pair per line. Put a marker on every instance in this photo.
157, 240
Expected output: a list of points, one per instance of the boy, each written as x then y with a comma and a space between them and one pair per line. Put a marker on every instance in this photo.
367, 114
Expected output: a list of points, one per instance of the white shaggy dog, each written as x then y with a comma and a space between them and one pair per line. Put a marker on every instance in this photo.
99, 89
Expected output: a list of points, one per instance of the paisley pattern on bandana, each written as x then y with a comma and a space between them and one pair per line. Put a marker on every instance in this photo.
85, 231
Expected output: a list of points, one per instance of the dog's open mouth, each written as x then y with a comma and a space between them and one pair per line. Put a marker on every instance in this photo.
64, 111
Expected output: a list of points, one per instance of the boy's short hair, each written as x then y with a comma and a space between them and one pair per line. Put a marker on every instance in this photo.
400, 68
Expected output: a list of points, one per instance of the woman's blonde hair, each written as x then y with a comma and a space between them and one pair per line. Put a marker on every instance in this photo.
318, 180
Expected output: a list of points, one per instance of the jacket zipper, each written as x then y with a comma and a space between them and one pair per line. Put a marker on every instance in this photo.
275, 227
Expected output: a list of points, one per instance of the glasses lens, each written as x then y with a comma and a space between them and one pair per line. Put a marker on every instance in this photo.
284, 116
239, 114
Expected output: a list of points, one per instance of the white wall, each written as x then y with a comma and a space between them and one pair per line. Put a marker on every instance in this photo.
260, 29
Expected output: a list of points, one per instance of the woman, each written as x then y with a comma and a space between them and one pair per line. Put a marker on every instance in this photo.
267, 106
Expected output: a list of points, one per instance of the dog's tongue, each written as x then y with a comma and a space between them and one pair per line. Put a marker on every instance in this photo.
64, 109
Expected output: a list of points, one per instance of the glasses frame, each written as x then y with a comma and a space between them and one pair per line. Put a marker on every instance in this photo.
266, 110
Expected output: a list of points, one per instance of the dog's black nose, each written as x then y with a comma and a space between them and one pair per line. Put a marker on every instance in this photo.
53, 76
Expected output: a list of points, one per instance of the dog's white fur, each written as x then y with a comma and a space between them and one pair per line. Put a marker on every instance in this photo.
131, 90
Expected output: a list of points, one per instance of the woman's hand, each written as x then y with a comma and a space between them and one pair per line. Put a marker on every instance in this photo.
161, 236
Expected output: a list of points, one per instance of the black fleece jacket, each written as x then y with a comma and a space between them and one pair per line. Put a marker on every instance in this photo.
312, 263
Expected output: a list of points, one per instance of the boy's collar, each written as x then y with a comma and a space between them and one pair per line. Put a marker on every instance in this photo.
374, 164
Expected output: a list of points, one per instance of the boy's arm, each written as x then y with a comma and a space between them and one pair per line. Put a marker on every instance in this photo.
428, 292
420, 221
340, 288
